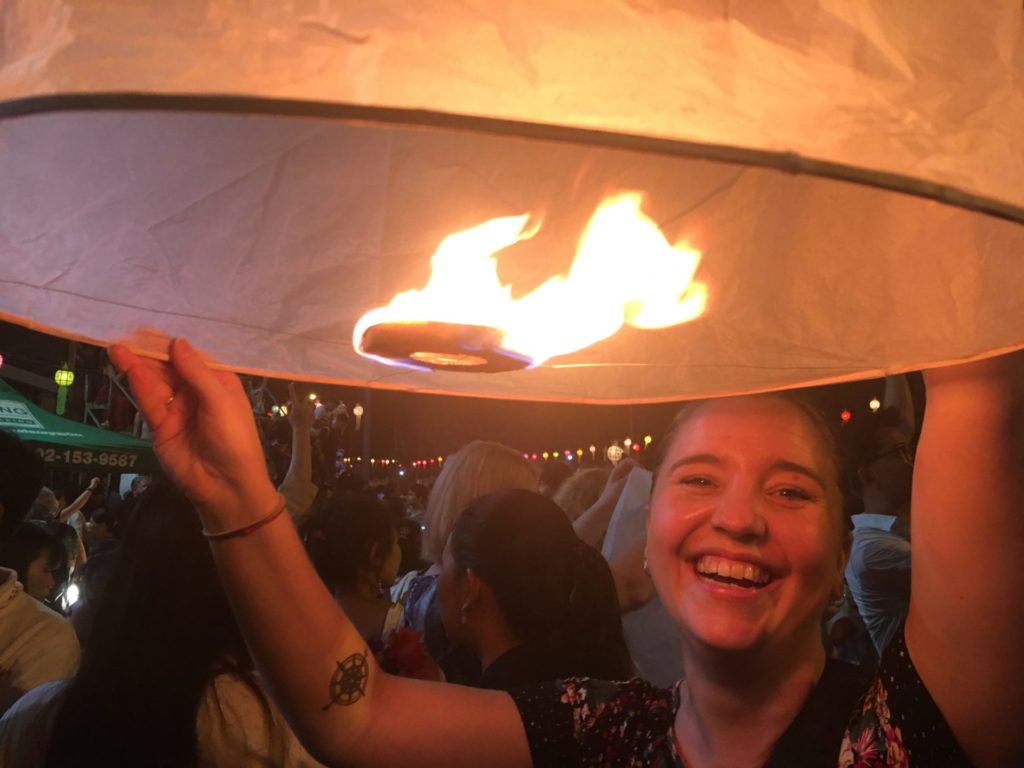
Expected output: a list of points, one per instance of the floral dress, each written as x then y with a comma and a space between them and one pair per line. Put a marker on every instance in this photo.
850, 720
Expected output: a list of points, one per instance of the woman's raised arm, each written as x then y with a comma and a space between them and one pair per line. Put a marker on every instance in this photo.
965, 627
341, 705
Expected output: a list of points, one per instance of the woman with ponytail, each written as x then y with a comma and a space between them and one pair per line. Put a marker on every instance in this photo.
531, 600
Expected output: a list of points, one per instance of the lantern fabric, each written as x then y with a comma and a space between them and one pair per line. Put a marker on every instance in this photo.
257, 176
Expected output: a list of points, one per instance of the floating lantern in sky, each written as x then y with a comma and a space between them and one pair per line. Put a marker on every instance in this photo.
263, 179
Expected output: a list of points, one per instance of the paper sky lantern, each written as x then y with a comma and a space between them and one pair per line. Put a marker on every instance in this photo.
849, 178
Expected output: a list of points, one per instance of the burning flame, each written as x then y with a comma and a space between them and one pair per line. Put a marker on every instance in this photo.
625, 272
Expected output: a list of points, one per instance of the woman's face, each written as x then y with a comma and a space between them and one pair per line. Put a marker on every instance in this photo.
39, 578
744, 534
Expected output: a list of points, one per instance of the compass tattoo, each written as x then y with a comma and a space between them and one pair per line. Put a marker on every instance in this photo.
348, 683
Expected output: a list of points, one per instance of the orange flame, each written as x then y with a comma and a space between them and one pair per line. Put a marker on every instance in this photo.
625, 272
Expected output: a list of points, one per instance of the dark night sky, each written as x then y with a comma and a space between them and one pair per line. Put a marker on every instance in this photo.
412, 426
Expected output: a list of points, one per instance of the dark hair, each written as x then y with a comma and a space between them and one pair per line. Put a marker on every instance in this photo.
341, 538
105, 516
22, 473
163, 631
410, 542
554, 473
860, 439
26, 543
552, 588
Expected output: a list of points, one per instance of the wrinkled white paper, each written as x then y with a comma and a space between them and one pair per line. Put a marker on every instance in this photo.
263, 239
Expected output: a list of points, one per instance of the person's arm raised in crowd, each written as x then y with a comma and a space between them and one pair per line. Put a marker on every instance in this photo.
78, 503
320, 672
593, 523
297, 487
633, 586
965, 627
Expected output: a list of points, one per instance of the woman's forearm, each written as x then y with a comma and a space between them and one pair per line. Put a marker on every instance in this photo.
967, 543
342, 706
76, 505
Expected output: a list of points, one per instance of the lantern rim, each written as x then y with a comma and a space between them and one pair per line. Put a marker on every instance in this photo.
786, 161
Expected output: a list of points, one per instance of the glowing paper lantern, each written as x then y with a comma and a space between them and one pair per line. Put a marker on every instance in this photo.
614, 453
64, 378
258, 176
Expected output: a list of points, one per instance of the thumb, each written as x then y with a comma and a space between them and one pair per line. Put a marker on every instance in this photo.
194, 371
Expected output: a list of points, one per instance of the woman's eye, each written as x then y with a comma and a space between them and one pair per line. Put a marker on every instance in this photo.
696, 481
795, 494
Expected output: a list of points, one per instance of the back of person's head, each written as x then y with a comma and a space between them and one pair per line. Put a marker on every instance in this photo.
865, 440
580, 491
350, 481
45, 506
66, 493
475, 469
349, 540
22, 474
552, 589
26, 544
552, 475
163, 630
105, 517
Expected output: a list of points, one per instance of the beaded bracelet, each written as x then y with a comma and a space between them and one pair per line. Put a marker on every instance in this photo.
245, 530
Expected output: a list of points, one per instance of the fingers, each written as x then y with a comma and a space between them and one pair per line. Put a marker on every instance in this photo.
151, 382
622, 470
292, 396
209, 387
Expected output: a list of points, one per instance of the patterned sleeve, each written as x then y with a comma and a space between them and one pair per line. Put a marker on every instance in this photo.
898, 723
584, 722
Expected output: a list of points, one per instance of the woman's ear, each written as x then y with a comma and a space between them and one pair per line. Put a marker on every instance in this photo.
377, 557
471, 587
865, 475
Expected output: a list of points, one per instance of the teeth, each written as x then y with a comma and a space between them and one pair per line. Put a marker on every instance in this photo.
733, 569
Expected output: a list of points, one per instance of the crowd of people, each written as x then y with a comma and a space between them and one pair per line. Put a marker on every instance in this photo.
259, 604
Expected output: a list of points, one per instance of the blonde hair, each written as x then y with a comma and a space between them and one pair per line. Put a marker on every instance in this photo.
580, 491
475, 469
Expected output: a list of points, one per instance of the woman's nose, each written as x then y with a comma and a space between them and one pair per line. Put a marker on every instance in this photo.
738, 513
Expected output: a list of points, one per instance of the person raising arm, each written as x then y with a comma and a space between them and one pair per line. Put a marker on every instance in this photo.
744, 547
965, 624
341, 705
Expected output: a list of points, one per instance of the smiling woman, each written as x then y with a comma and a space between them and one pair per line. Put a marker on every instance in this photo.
744, 547
748, 485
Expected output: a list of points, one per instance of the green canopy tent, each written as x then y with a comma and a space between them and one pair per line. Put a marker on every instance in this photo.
66, 444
